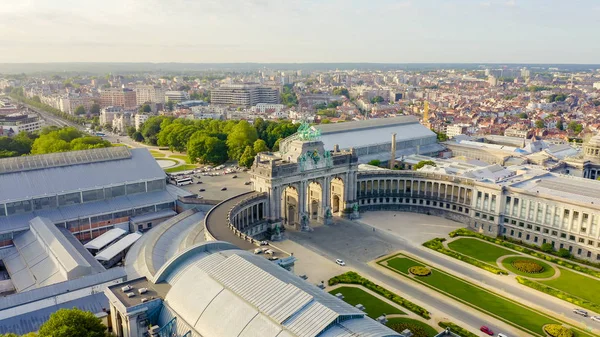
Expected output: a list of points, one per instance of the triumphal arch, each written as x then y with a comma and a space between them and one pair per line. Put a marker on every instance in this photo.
304, 182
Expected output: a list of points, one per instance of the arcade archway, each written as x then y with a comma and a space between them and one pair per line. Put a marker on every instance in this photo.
290, 212
337, 196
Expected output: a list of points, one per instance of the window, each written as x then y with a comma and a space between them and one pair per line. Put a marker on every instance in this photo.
504, 230
589, 254
537, 228
535, 239
476, 225
512, 232
115, 191
555, 233
42, 203
427, 203
454, 207
93, 195
563, 235
69, 199
520, 234
136, 188
590, 242
527, 237
505, 220
489, 228
521, 224
140, 227
572, 237
581, 240
579, 251
467, 210
2, 212
545, 231
491, 218
513, 222
529, 226
484, 216
420, 201
435, 203
18, 207
156, 185
477, 214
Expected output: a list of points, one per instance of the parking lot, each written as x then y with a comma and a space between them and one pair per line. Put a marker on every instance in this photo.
212, 185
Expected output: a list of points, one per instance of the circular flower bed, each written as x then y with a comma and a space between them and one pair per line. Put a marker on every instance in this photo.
556, 330
419, 271
528, 266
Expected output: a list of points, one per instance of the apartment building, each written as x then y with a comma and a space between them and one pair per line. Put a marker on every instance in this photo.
149, 93
176, 96
14, 123
139, 119
107, 115
244, 95
125, 98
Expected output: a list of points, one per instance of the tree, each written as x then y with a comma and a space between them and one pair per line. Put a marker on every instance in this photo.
288, 96
206, 149
377, 99
341, 91
66, 139
375, 162
559, 125
247, 158
145, 108
423, 163
575, 127
563, 253
95, 109
241, 136
547, 247
260, 146
137, 136
72, 323
80, 110
441, 137
540, 124
523, 115
170, 104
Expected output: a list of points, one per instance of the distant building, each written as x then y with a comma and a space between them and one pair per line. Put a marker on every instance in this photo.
518, 130
149, 93
121, 122
139, 119
457, 129
125, 98
596, 85
267, 108
14, 123
176, 96
244, 95
108, 114
69, 103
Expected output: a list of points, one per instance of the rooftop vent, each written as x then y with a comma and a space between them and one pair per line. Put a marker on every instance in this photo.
126, 288
144, 300
143, 290
131, 294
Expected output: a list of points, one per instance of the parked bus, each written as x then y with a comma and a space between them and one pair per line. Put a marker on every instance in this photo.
185, 180
100, 134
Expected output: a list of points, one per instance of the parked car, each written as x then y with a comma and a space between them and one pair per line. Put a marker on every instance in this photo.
581, 312
340, 262
273, 258
198, 182
247, 183
258, 251
303, 276
224, 189
202, 190
486, 330
596, 318
234, 177
264, 243
502, 335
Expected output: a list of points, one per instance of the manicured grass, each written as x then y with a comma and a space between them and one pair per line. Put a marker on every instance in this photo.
548, 271
502, 308
479, 250
185, 158
577, 285
374, 307
156, 154
180, 168
418, 328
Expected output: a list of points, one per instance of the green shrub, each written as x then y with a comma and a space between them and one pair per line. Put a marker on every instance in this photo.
462, 332
528, 266
547, 248
559, 294
563, 252
436, 244
419, 271
532, 250
354, 278
556, 330
417, 330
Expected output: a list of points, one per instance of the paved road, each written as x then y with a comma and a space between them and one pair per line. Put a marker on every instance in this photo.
357, 244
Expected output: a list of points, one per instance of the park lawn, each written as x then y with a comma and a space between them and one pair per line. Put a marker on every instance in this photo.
156, 154
185, 158
477, 297
577, 285
479, 250
548, 271
374, 307
180, 168
418, 328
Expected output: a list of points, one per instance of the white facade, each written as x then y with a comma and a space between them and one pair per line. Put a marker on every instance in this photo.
15, 124
596, 85
266, 107
108, 114
176, 96
149, 93
121, 121
139, 119
457, 129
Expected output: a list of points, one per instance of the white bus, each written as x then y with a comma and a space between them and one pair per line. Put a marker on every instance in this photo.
185, 180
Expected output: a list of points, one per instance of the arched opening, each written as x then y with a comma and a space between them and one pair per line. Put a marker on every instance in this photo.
315, 200
290, 209
337, 196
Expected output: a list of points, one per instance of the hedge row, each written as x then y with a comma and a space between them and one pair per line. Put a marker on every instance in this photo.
559, 294
531, 250
436, 244
462, 332
556, 330
354, 278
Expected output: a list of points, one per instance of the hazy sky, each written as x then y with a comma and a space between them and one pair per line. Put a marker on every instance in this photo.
503, 31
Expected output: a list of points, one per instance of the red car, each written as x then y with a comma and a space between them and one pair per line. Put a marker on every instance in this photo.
486, 330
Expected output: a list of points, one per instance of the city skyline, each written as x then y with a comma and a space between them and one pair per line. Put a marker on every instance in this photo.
464, 31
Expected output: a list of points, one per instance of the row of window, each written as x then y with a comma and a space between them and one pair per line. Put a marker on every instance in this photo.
540, 212
415, 201
528, 237
485, 216
116, 215
551, 232
26, 206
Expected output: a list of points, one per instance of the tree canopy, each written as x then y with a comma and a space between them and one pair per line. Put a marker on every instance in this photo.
377, 99
80, 110
288, 96
540, 124
341, 91
145, 108
423, 163
247, 157
575, 127
72, 323
65, 139
95, 109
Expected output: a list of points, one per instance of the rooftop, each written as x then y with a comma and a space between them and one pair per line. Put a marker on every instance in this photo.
159, 290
